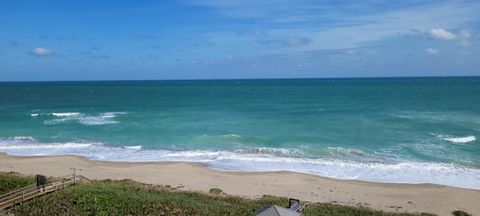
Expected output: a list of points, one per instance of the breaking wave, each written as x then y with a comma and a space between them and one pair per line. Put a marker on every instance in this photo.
270, 151
139, 147
460, 139
259, 159
85, 119
452, 139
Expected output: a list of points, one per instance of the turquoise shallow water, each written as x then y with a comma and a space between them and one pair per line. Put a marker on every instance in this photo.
411, 130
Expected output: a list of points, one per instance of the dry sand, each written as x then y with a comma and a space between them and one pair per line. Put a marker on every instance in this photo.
429, 198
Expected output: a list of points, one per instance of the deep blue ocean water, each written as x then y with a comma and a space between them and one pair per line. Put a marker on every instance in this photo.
411, 130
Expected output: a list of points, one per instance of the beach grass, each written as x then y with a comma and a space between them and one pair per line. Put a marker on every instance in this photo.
10, 181
216, 191
340, 210
131, 198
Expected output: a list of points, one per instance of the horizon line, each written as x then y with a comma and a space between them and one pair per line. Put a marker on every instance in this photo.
233, 79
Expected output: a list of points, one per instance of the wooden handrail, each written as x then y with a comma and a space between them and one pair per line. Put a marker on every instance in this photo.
16, 191
33, 191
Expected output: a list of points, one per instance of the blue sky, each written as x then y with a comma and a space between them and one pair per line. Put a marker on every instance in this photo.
218, 39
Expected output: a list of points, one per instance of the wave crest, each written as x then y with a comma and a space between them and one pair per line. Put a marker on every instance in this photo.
336, 151
453, 139
17, 140
466, 139
271, 151
82, 118
260, 159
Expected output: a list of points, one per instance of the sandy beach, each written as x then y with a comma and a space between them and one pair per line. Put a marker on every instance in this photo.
441, 200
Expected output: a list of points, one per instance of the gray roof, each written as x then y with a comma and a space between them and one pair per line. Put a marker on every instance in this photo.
276, 211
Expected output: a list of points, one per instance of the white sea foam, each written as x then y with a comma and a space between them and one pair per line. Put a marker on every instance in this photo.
40, 114
113, 114
47, 146
460, 139
17, 140
65, 114
453, 139
345, 151
270, 151
55, 121
241, 160
139, 147
96, 120
56, 114
85, 119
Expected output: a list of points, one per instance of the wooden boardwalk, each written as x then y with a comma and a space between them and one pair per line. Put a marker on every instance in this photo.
32, 191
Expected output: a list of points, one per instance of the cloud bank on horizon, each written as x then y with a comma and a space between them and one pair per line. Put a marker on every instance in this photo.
210, 39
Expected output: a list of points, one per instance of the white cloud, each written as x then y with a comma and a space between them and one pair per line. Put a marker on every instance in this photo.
432, 51
39, 51
443, 34
347, 31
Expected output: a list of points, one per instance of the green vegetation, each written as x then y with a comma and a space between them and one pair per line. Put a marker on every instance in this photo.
12, 181
216, 191
334, 209
131, 198
460, 213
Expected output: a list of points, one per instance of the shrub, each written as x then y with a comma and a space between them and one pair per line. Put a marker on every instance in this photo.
216, 191
461, 213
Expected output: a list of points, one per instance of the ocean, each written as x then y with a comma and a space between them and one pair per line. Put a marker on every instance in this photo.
402, 130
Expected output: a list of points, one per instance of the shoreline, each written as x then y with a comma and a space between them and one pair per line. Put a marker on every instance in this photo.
397, 197
408, 172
